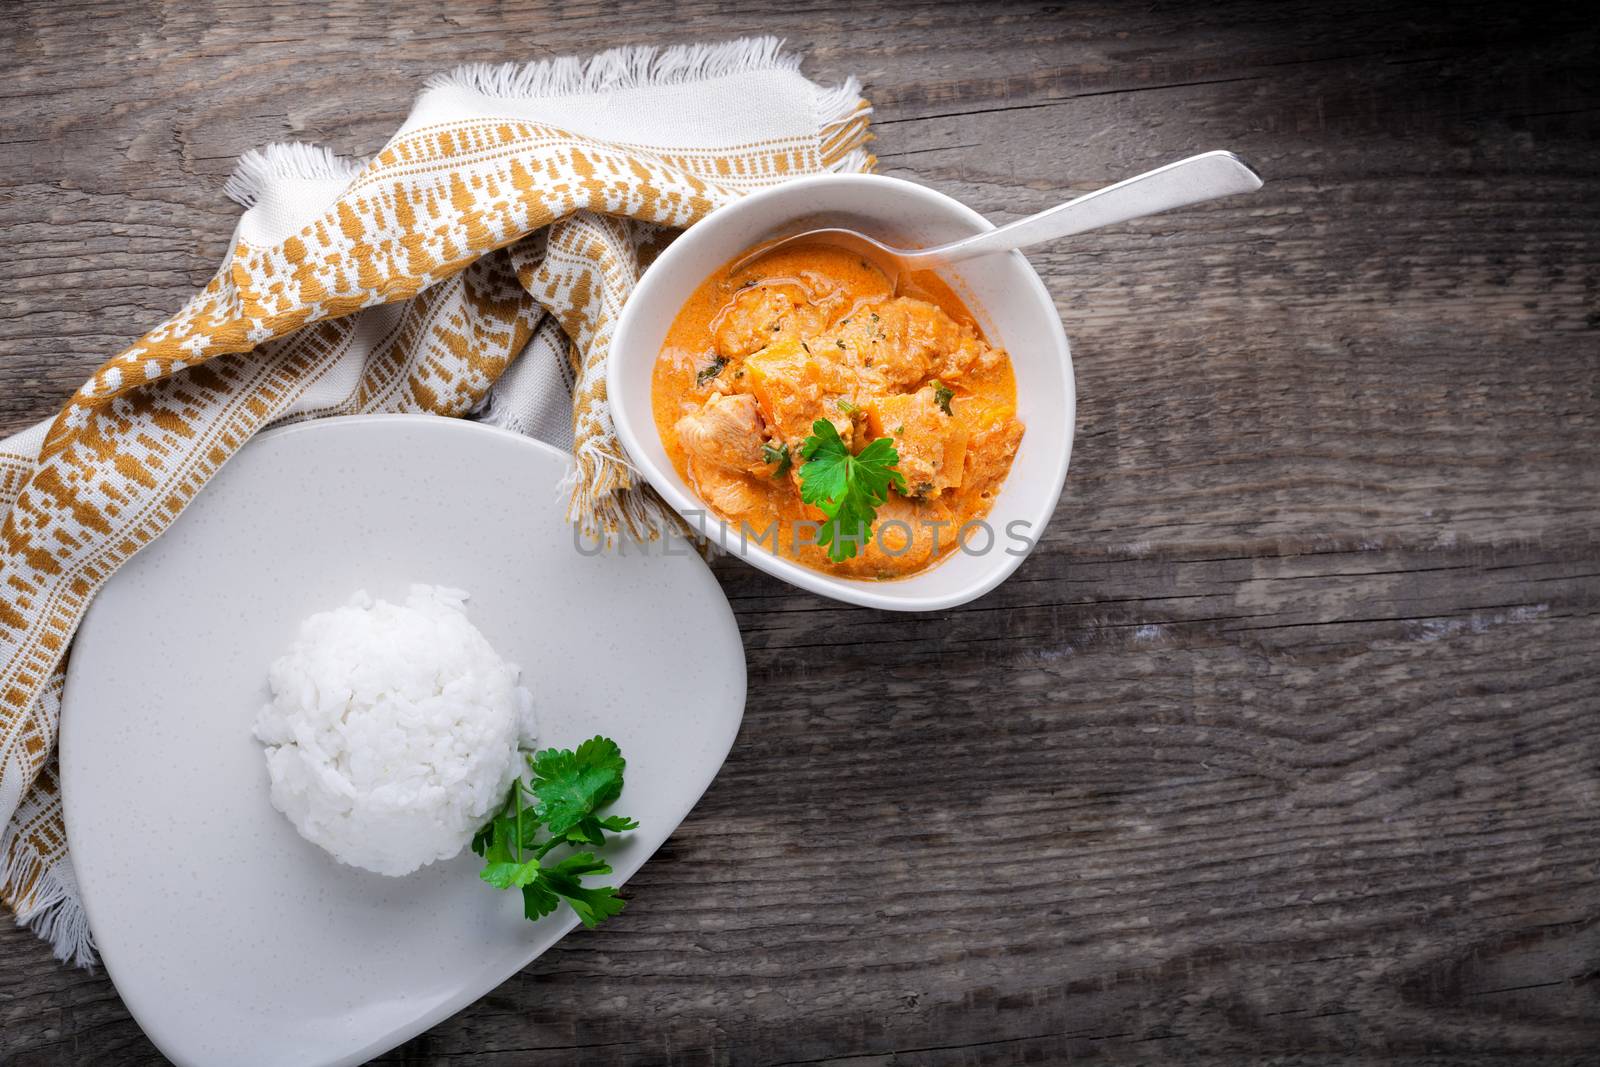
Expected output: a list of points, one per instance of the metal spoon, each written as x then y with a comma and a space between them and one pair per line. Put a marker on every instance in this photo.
1188, 181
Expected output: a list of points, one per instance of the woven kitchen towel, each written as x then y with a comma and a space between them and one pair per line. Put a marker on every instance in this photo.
475, 266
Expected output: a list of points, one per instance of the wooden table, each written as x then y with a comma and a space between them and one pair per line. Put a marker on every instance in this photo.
1285, 743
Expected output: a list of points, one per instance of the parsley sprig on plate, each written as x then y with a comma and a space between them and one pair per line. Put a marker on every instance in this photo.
559, 804
847, 488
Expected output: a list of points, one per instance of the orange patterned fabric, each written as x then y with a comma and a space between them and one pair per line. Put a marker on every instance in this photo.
514, 210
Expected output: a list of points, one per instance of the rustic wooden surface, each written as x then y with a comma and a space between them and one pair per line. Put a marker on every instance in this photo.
1283, 745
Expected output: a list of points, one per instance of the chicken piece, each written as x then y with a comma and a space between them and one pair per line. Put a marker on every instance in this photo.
970, 357
760, 314
726, 492
932, 445
896, 341
796, 382
727, 432
989, 453
903, 538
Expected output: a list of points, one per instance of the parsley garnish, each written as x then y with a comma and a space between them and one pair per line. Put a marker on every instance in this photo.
942, 395
568, 789
778, 454
710, 370
847, 488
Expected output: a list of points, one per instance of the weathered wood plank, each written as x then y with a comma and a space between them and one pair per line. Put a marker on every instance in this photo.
1282, 745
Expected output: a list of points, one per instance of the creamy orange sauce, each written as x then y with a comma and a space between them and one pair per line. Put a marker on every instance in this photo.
814, 332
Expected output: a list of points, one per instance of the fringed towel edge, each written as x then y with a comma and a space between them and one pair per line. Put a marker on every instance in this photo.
607, 500
633, 67
259, 167
50, 906
844, 119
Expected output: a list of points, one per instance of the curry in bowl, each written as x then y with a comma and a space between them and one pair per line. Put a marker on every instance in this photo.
851, 424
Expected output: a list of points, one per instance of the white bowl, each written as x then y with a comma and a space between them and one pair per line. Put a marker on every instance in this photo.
1002, 291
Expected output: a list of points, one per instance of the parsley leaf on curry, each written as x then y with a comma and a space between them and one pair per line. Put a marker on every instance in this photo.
710, 370
778, 454
568, 789
942, 395
847, 488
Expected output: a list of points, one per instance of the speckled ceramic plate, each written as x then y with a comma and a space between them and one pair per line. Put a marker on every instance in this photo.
233, 940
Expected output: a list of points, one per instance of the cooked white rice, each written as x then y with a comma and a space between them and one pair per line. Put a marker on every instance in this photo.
394, 731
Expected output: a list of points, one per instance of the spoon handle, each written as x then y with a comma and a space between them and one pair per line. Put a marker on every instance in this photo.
1188, 181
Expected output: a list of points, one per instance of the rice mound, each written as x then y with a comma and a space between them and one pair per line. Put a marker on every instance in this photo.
394, 731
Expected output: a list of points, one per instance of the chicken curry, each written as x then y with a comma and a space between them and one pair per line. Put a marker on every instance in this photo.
761, 366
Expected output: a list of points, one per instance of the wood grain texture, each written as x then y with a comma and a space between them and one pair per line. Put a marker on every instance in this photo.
1283, 745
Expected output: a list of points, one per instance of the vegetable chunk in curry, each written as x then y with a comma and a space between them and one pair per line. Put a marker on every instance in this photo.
755, 364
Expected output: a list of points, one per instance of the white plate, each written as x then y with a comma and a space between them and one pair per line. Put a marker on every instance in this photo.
230, 938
